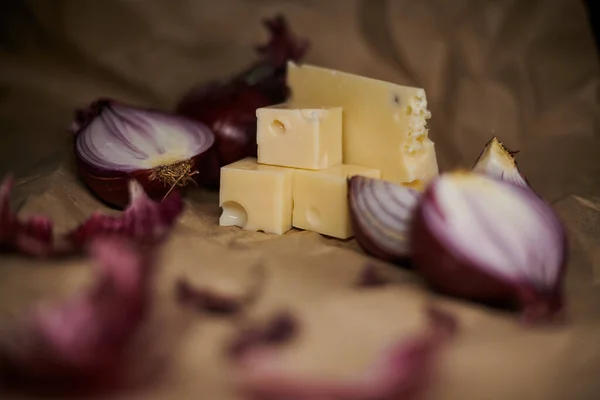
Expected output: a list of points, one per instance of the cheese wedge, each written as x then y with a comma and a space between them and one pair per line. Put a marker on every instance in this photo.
384, 124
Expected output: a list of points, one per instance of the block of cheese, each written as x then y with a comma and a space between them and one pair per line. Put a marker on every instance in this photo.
256, 197
384, 124
309, 138
321, 199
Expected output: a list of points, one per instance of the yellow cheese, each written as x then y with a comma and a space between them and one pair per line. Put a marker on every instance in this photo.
309, 138
384, 124
256, 197
321, 199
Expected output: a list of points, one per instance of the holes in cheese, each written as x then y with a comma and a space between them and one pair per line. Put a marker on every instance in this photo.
277, 127
256, 197
233, 215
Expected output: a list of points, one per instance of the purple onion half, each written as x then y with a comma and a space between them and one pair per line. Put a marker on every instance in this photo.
479, 238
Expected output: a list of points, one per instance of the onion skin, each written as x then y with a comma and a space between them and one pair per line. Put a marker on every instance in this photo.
401, 371
228, 107
82, 344
450, 274
111, 186
32, 236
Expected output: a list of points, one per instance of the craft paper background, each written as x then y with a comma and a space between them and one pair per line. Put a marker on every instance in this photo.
526, 71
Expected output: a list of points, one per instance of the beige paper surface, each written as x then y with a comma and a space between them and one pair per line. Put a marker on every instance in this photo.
523, 70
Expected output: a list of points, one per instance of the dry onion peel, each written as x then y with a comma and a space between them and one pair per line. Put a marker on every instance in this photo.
81, 344
498, 162
32, 236
484, 239
381, 214
401, 371
213, 301
115, 143
144, 221
280, 328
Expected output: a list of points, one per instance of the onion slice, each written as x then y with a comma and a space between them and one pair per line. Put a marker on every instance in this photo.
81, 344
400, 372
144, 221
381, 214
496, 161
32, 236
116, 142
483, 239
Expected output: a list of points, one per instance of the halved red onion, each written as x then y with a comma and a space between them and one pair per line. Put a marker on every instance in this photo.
164, 152
32, 236
496, 161
82, 344
381, 214
483, 239
144, 221
400, 372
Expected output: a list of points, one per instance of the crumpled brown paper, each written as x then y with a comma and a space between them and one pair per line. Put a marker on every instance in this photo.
523, 70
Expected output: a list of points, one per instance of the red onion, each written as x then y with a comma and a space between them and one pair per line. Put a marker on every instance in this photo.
116, 143
32, 236
82, 343
496, 161
483, 239
400, 372
229, 106
144, 221
381, 214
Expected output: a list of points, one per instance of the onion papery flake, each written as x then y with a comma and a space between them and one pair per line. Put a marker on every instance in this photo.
401, 371
145, 221
32, 236
81, 345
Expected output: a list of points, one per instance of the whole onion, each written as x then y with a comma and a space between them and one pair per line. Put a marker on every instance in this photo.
115, 143
229, 106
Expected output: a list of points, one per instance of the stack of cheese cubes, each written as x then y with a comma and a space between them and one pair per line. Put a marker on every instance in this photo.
335, 125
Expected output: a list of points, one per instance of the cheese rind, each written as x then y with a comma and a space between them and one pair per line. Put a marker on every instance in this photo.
384, 124
256, 197
309, 138
321, 199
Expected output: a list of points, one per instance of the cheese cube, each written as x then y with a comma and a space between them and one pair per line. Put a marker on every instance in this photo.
256, 197
321, 199
308, 138
384, 124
